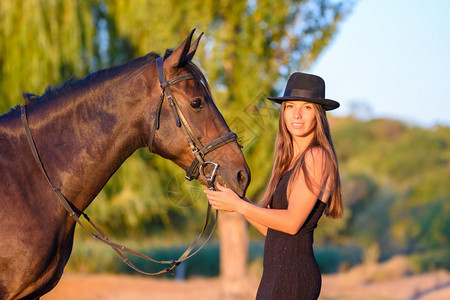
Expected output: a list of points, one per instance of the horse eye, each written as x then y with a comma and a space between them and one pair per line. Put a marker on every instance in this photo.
196, 103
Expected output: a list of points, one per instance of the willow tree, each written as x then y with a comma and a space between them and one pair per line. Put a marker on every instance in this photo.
41, 43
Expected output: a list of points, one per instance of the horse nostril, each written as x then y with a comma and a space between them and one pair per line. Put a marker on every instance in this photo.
242, 179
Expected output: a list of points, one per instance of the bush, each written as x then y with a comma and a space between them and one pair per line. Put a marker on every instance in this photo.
204, 263
90, 256
332, 258
432, 260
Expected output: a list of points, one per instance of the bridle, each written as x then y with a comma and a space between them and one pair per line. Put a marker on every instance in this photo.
196, 168
198, 150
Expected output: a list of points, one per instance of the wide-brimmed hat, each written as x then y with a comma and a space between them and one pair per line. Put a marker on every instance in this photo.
306, 87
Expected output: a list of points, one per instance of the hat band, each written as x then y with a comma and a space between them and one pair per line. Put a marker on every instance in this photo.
302, 94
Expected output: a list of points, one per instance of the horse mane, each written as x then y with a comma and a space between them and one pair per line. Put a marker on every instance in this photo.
73, 84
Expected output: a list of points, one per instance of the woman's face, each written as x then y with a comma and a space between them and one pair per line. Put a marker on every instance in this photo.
300, 118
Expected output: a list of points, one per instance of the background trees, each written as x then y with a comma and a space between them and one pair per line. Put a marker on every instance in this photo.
396, 187
395, 176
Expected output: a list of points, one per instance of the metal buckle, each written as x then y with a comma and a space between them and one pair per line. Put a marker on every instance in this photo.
194, 150
211, 177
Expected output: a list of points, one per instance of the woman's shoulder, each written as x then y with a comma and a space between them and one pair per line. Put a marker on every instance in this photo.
312, 156
315, 154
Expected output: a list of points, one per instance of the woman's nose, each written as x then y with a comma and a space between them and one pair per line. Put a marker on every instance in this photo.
297, 113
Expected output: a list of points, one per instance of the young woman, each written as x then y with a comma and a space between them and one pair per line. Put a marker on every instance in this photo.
304, 183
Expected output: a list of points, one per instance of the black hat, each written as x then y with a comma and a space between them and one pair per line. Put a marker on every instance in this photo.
306, 87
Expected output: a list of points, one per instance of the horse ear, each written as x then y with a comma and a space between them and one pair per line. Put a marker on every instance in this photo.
193, 48
178, 56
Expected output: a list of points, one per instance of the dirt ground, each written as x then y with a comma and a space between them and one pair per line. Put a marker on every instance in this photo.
429, 286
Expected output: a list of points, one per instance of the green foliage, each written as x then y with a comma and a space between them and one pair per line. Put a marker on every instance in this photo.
93, 257
396, 180
41, 43
431, 260
332, 258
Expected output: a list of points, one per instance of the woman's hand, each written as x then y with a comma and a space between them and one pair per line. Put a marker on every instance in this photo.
227, 200
223, 199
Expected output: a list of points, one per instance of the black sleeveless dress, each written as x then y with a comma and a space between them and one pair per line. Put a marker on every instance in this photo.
290, 269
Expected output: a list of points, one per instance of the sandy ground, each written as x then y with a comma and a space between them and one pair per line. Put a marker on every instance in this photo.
430, 286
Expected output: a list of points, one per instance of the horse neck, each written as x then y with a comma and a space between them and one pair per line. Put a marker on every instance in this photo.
83, 140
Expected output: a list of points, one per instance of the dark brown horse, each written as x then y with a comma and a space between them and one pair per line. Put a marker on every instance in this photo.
84, 130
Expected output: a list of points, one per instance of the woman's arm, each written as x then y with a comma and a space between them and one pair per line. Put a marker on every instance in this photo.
286, 220
259, 227
301, 201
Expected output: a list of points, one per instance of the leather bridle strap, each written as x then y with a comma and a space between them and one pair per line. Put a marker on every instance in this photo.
159, 106
193, 171
180, 120
99, 234
194, 143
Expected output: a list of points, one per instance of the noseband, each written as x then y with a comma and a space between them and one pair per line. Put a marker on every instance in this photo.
199, 151
196, 168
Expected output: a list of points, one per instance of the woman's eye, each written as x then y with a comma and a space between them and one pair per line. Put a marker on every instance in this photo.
197, 103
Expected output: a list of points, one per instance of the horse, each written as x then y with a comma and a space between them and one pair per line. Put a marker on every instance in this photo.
82, 131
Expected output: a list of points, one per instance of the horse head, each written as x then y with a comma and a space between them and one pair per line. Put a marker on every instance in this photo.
187, 126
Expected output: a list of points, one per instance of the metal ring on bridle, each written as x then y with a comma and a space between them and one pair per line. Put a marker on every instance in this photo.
213, 173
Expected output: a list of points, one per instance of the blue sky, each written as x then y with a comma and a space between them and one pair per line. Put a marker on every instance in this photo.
391, 59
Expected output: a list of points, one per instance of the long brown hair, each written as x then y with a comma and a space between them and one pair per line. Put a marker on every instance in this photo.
284, 154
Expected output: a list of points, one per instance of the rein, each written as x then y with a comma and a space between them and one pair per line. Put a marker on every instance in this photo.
197, 168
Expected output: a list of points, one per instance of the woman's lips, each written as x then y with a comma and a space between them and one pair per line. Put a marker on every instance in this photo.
297, 125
